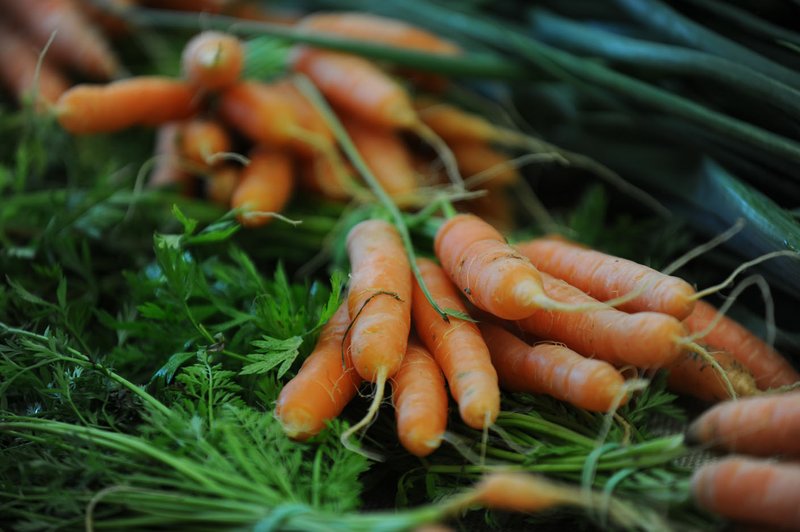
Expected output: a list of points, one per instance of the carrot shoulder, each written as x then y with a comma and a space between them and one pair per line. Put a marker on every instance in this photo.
457, 346
323, 386
212, 60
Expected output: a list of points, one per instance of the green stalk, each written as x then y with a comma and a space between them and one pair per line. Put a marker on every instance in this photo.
540, 426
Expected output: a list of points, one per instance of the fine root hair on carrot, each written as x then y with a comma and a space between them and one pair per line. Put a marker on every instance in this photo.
372, 414
704, 247
758, 260
706, 356
220, 156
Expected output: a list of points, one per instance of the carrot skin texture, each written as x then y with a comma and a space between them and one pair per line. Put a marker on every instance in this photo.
644, 339
750, 490
769, 367
379, 298
604, 276
143, 100
691, 375
266, 185
212, 60
18, 59
458, 347
420, 401
763, 425
492, 274
258, 112
324, 385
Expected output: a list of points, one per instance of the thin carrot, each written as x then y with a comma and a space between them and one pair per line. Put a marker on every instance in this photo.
554, 370
457, 346
768, 366
522, 492
420, 401
692, 375
265, 187
212, 60
323, 386
203, 141
605, 276
77, 44
142, 100
483, 166
753, 491
644, 339
765, 425
221, 182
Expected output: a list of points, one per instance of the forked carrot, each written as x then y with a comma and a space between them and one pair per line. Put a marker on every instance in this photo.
212, 60
768, 366
458, 347
323, 386
221, 182
265, 187
77, 44
420, 401
142, 100
757, 492
18, 71
605, 276
203, 141
555, 370
765, 425
692, 375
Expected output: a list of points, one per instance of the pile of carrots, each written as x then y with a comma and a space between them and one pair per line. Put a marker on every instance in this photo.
480, 317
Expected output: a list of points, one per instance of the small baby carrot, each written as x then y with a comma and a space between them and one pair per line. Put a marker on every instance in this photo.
212, 60
323, 386
420, 401
203, 141
142, 100
457, 346
265, 187
555, 370
764, 425
692, 375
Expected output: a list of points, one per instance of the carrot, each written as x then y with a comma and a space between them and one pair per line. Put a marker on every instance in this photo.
142, 100
554, 370
323, 386
212, 60
483, 166
605, 276
457, 125
754, 491
265, 187
420, 401
644, 339
379, 300
521, 492
496, 207
221, 182
764, 425
168, 168
692, 375
18, 71
378, 29
320, 175
202, 141
457, 346
76, 44
769, 367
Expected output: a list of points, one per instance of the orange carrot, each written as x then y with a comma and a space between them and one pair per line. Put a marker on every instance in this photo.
644, 339
320, 175
554, 370
202, 139
213, 60
168, 168
378, 29
605, 276
420, 401
221, 182
496, 207
764, 425
753, 491
18, 59
769, 367
454, 124
265, 187
76, 44
143, 100
522, 492
323, 386
482, 164
692, 375
457, 346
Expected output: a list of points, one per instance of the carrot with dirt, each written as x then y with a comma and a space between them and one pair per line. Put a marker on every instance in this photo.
142, 100
323, 386
765, 425
420, 401
212, 60
458, 347
265, 187
692, 375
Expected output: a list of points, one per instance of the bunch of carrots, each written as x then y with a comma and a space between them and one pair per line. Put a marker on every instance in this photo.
482, 315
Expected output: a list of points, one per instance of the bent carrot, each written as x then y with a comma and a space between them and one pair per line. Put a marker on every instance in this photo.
768, 366
323, 386
18, 71
757, 492
605, 276
212, 60
692, 375
143, 100
644, 339
265, 187
765, 425
202, 139
77, 44
420, 401
458, 347
554, 370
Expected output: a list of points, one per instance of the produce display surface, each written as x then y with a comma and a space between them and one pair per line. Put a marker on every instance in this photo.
338, 265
